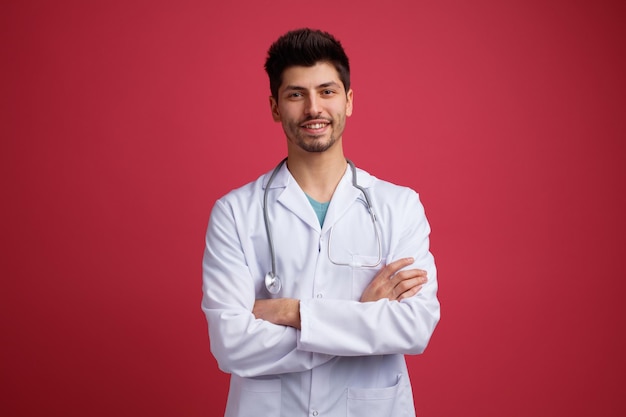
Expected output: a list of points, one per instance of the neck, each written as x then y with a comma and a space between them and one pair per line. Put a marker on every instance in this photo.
318, 174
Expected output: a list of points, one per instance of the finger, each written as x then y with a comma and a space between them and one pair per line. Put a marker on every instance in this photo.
410, 293
409, 274
407, 284
408, 287
397, 265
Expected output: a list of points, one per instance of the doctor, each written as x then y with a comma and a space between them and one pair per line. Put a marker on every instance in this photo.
317, 277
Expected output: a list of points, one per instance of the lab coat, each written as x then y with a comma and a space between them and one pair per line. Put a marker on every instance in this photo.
348, 357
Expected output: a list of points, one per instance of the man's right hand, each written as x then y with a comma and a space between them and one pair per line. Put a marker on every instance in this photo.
393, 284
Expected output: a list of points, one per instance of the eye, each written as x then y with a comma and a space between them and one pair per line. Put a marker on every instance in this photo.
327, 92
295, 94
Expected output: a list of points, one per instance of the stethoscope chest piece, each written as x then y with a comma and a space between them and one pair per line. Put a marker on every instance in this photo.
272, 283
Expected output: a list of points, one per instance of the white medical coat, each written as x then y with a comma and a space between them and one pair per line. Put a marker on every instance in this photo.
348, 357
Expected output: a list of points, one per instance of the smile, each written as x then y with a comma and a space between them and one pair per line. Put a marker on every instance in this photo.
316, 125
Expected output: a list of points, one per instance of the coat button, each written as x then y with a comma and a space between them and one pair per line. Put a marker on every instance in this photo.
314, 413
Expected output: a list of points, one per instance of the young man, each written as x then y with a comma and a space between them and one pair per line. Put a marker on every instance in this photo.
317, 277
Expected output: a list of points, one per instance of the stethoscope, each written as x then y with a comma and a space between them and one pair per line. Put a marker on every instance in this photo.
273, 283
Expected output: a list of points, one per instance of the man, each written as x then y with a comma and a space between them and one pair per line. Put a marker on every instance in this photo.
317, 277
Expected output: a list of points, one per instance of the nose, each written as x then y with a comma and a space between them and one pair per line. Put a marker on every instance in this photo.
312, 106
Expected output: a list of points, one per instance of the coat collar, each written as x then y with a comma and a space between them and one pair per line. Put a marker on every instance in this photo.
294, 199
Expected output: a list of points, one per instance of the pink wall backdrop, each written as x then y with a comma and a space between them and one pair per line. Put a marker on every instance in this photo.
123, 121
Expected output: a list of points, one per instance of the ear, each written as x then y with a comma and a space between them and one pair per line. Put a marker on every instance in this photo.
349, 102
274, 109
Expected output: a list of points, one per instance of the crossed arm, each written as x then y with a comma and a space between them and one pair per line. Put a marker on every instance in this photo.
390, 283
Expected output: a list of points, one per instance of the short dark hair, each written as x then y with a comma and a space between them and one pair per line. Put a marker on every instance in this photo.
305, 47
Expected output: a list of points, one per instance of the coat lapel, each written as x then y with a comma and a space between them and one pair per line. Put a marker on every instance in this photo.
293, 198
345, 195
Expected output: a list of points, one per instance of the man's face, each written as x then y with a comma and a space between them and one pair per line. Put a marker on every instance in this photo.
312, 106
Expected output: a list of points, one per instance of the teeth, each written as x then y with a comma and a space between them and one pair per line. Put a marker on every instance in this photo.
316, 126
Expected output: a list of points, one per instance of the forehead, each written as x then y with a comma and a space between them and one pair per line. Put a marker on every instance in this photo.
310, 77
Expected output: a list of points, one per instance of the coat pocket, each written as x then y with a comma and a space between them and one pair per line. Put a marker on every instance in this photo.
257, 397
379, 402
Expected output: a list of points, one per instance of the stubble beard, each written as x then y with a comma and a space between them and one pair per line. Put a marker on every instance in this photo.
315, 143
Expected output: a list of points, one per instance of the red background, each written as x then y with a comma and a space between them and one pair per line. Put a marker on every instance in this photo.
123, 121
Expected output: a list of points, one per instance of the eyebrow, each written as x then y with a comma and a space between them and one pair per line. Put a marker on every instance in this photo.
323, 85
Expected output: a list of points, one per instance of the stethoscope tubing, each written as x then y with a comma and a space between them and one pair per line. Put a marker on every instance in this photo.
273, 283
266, 219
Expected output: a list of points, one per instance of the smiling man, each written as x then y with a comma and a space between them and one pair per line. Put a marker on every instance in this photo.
313, 107
317, 277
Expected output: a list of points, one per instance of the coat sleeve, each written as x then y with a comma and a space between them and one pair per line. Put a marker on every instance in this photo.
381, 327
242, 344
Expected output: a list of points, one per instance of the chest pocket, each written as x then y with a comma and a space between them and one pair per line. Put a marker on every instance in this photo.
355, 244
363, 272
354, 240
